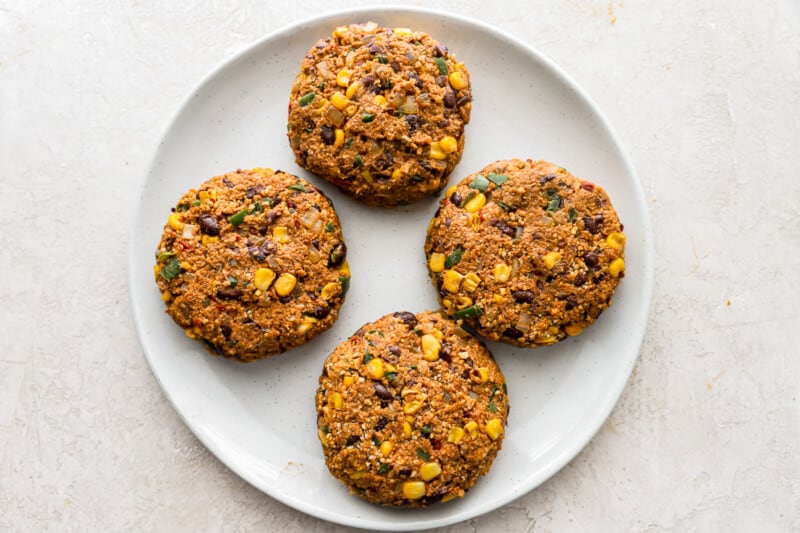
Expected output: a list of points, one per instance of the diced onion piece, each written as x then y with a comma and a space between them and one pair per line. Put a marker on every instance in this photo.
410, 56
514, 268
322, 68
524, 322
188, 231
425, 98
334, 116
410, 106
349, 57
273, 262
310, 218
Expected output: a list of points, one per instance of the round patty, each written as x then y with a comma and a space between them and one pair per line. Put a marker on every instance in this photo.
525, 253
380, 113
253, 263
411, 410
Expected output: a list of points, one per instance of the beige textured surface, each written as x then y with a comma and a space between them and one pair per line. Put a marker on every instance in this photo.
704, 95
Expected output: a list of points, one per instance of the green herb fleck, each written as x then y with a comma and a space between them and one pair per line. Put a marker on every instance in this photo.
349, 142
376, 441
306, 99
426, 430
195, 203
454, 257
297, 187
440, 62
180, 208
497, 179
257, 208
345, 281
390, 376
367, 357
505, 388
358, 162
172, 269
416, 178
573, 214
367, 117
233, 281
413, 367
386, 85
321, 86
369, 341
472, 311
492, 407
423, 454
470, 196
325, 429
479, 182
503, 205
382, 60
384, 468
554, 203
164, 256
238, 218
329, 227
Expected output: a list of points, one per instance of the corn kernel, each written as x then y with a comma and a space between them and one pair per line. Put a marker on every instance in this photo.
457, 80
502, 272
323, 437
545, 340
285, 284
428, 471
413, 490
472, 428
451, 280
340, 31
406, 429
263, 278
339, 101
430, 347
449, 496
477, 201
280, 234
350, 110
448, 144
497, 298
304, 326
330, 290
338, 138
450, 190
471, 282
357, 475
412, 407
208, 239
455, 435
483, 374
166, 296
386, 448
186, 266
397, 174
402, 31
388, 367
375, 368
462, 302
352, 89
206, 195
572, 330
436, 151
191, 333
367, 175
551, 258
335, 400
343, 77
494, 428
348, 380
380, 100
174, 222
436, 262
616, 240
616, 267
344, 270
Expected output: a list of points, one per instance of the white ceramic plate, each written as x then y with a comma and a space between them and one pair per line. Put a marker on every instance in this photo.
259, 419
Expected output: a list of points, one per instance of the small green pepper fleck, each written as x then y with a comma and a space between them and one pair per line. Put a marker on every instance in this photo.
426, 430
237, 218
440, 62
349, 142
376, 441
297, 187
503, 205
164, 256
367, 117
172, 269
306, 99
383, 469
367, 357
197, 202
573, 214
329, 227
345, 281
382, 60
497, 179
423, 454
472, 311
358, 162
479, 182
180, 208
233, 281
390, 376
554, 203
454, 257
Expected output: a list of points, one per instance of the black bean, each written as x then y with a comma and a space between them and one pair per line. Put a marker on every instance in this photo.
285, 299
469, 362
547, 177
381, 391
572, 303
228, 183
449, 97
374, 49
456, 199
591, 259
512, 333
226, 330
382, 422
444, 123
414, 123
326, 132
590, 224
208, 224
394, 350
405, 471
320, 312
406, 317
352, 439
338, 255
417, 80
439, 50
384, 161
446, 351
441, 81
523, 297
502, 226
271, 216
464, 100
229, 294
580, 279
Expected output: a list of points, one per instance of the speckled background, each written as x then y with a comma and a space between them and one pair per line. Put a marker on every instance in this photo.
706, 98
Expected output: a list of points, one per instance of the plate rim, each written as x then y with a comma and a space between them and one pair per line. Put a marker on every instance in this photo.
579, 440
